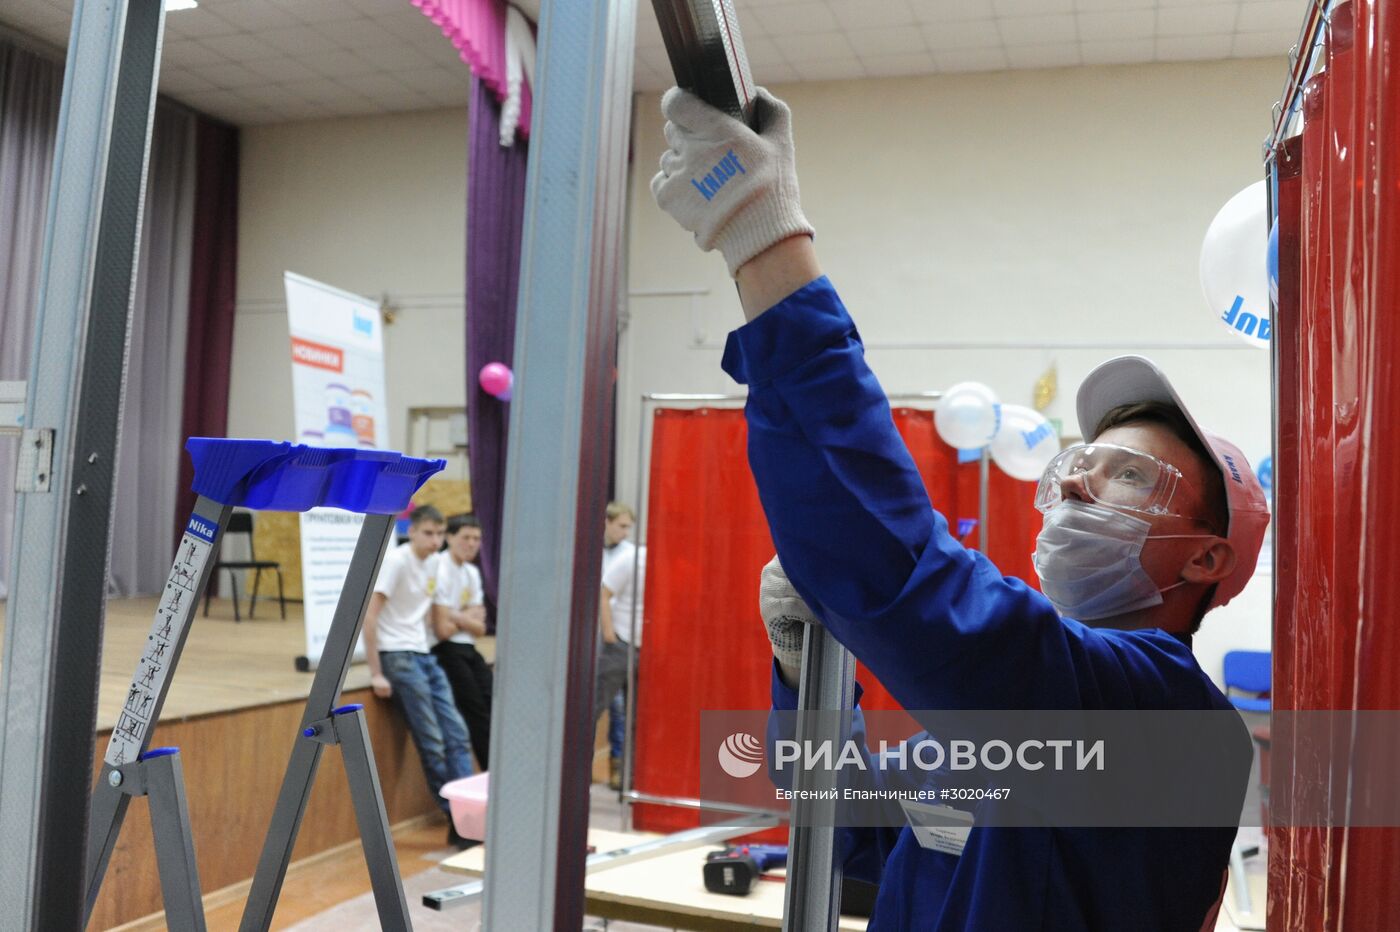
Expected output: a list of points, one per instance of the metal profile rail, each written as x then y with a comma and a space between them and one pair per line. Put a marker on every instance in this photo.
53, 638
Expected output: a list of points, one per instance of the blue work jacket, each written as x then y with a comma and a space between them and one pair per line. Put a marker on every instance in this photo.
942, 628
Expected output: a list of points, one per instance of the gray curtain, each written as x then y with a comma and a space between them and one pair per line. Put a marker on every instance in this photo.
147, 469
148, 462
30, 88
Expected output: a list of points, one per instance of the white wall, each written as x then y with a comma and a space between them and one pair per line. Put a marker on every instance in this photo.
373, 205
1046, 216
1053, 216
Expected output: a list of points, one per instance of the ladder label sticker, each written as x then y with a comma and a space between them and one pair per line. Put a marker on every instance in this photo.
173, 614
202, 529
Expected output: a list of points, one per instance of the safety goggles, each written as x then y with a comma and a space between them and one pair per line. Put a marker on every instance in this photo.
1119, 477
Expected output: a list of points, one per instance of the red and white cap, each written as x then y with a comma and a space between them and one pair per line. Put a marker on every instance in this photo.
1133, 379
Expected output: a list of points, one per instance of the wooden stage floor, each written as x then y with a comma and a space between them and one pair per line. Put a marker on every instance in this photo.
226, 665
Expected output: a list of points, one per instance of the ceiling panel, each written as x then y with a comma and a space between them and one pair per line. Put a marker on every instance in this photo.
259, 61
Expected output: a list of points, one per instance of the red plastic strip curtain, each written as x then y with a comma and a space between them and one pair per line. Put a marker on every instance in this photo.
707, 539
1370, 855
1337, 632
1287, 464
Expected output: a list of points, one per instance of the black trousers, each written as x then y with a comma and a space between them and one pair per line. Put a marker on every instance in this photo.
471, 689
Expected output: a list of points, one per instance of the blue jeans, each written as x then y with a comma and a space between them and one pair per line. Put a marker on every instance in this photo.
617, 724
423, 695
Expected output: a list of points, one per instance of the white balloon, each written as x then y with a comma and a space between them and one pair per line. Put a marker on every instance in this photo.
1234, 266
967, 416
1025, 444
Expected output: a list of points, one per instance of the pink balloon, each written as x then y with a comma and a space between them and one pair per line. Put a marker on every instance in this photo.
495, 378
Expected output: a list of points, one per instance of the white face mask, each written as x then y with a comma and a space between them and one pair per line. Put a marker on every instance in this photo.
1089, 560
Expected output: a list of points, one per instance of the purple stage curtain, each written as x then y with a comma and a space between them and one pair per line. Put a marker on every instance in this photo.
495, 212
213, 264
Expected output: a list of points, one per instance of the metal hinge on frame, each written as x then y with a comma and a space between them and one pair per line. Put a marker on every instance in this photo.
35, 472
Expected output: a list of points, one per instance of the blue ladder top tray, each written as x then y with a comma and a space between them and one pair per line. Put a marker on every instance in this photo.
268, 475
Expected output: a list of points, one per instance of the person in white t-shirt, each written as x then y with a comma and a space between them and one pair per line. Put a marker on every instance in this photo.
459, 618
615, 626
396, 646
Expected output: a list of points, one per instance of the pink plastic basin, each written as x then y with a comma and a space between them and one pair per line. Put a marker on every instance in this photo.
467, 798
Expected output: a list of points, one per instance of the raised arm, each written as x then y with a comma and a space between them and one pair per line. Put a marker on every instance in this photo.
849, 514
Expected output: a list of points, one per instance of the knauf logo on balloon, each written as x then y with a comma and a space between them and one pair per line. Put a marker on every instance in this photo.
710, 184
1251, 325
740, 755
1039, 435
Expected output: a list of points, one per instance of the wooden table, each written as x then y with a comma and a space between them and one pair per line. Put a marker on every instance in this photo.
666, 890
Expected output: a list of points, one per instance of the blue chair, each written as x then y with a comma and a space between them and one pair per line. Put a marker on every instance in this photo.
1249, 671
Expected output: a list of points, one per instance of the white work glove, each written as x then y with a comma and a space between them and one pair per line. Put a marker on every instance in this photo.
785, 615
734, 188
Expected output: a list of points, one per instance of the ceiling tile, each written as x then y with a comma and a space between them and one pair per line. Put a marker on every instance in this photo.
374, 83
321, 11
1217, 18
1273, 16
1117, 51
337, 64
749, 24
179, 80
1032, 7
1263, 44
971, 60
439, 50
951, 11
230, 75
393, 55
777, 73
1192, 48
895, 65
1052, 55
893, 40
253, 15
1037, 30
830, 69
979, 34
457, 98
1117, 24
201, 21
760, 50
1114, 5
239, 47
280, 69
318, 90
353, 105
794, 18
295, 40
870, 14
413, 28
377, 7
188, 54
816, 47
433, 79
357, 33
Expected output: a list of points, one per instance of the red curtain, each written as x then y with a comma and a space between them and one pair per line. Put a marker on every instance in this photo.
1337, 632
213, 268
707, 540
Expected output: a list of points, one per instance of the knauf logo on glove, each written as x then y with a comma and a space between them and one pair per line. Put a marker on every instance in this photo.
740, 755
711, 183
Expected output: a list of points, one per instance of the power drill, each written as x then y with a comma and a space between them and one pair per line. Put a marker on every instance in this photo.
735, 869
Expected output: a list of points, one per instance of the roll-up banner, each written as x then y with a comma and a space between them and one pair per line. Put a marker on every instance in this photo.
338, 393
